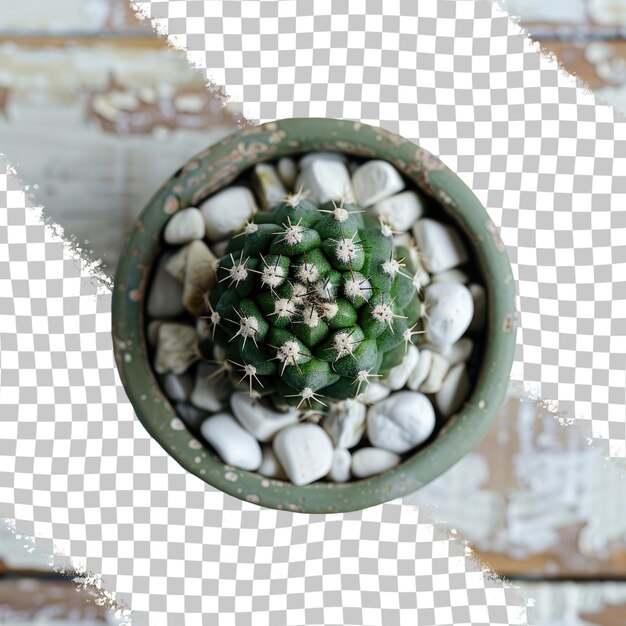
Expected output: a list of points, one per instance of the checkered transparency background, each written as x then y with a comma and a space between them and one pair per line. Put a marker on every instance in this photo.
78, 471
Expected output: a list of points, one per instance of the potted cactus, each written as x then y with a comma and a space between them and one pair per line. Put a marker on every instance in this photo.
319, 316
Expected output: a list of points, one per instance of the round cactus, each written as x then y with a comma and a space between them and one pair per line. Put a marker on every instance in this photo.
312, 303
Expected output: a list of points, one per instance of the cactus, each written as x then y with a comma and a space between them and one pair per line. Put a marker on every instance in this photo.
312, 303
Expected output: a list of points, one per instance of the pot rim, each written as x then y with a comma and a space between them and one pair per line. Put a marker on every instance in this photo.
215, 168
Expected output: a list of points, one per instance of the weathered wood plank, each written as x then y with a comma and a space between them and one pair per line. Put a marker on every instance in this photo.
69, 16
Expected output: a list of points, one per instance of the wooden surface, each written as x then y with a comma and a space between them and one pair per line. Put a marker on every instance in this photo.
535, 501
79, 17
25, 598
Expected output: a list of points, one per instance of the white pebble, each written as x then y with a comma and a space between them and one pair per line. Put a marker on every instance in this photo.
454, 390
227, 212
401, 422
374, 392
371, 461
401, 210
459, 352
184, 226
404, 239
451, 276
152, 332
287, 170
234, 445
480, 308
420, 372
440, 245
309, 158
269, 185
438, 369
204, 328
449, 311
177, 388
340, 470
177, 348
166, 294
195, 266
219, 248
270, 466
305, 452
192, 416
399, 375
345, 423
456, 353
258, 419
421, 277
209, 390
374, 181
219, 352
325, 180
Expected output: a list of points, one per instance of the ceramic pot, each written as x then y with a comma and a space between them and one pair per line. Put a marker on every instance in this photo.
217, 167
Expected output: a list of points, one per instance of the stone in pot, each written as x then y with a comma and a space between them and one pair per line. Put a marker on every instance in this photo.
345, 423
287, 170
177, 388
401, 422
340, 470
371, 461
399, 375
451, 276
268, 185
480, 308
400, 211
440, 245
165, 299
374, 181
194, 265
152, 332
234, 445
270, 466
307, 159
305, 452
191, 415
439, 367
454, 390
227, 211
184, 226
325, 180
258, 419
421, 370
209, 390
459, 352
374, 392
449, 310
177, 348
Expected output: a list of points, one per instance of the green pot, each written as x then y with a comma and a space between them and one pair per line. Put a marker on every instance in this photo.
216, 168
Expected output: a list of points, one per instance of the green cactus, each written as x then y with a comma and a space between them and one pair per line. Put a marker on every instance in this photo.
312, 303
